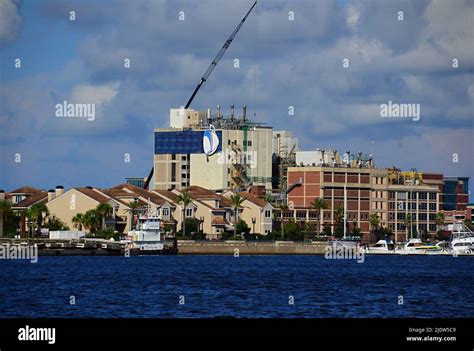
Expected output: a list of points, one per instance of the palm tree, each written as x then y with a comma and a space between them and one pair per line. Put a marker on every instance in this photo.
78, 221
439, 219
318, 204
338, 216
408, 222
283, 208
236, 201
92, 220
184, 199
5, 211
268, 198
374, 221
104, 210
35, 213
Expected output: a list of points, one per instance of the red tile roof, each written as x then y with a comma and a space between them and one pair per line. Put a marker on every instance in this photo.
139, 192
31, 200
99, 197
254, 199
25, 190
219, 221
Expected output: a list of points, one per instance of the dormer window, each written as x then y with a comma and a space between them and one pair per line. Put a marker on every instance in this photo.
189, 212
166, 212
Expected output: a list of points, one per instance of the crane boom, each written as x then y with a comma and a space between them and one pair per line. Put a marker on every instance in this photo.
209, 71
218, 57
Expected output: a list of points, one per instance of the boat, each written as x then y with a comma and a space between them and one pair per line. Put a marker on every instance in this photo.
415, 246
384, 246
146, 238
462, 239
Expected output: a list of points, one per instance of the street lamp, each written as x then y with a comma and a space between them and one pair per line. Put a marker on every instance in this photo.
201, 224
302, 228
253, 224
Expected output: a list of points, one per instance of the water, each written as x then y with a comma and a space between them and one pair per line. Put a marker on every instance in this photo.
247, 286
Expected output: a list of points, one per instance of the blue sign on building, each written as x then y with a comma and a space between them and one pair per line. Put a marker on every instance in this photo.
182, 142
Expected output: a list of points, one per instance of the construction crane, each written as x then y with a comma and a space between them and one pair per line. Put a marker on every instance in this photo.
209, 71
218, 57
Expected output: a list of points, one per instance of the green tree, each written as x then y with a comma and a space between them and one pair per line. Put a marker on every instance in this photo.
236, 202
78, 221
327, 229
37, 213
54, 223
92, 221
338, 219
5, 212
184, 199
318, 204
439, 219
242, 227
104, 210
292, 231
374, 221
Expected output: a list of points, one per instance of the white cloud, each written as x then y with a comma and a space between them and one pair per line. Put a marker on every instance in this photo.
10, 21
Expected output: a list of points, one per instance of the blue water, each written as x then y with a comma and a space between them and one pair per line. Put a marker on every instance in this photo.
247, 286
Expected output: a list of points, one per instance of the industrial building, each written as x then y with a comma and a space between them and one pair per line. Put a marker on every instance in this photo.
242, 155
405, 202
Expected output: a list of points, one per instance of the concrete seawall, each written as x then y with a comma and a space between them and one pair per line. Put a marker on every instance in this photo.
249, 248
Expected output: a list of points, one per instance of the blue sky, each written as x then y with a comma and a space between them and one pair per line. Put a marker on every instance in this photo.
283, 63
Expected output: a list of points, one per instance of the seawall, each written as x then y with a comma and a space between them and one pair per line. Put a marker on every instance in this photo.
249, 248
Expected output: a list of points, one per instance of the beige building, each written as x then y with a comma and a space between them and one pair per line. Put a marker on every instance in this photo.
66, 205
256, 212
212, 210
244, 154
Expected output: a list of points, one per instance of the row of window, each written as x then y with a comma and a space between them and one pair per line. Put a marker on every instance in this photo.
412, 195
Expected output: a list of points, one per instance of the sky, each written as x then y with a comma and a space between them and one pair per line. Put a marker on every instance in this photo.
333, 62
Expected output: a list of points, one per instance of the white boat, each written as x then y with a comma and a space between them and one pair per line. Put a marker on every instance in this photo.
415, 246
146, 237
381, 247
462, 239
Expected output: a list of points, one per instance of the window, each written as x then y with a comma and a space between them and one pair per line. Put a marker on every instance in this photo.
432, 207
249, 142
432, 196
183, 158
422, 196
189, 212
422, 206
422, 216
166, 212
183, 167
432, 227
18, 198
268, 213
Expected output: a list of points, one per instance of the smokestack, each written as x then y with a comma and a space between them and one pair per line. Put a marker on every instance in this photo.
208, 115
232, 110
59, 190
218, 111
245, 114
51, 194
